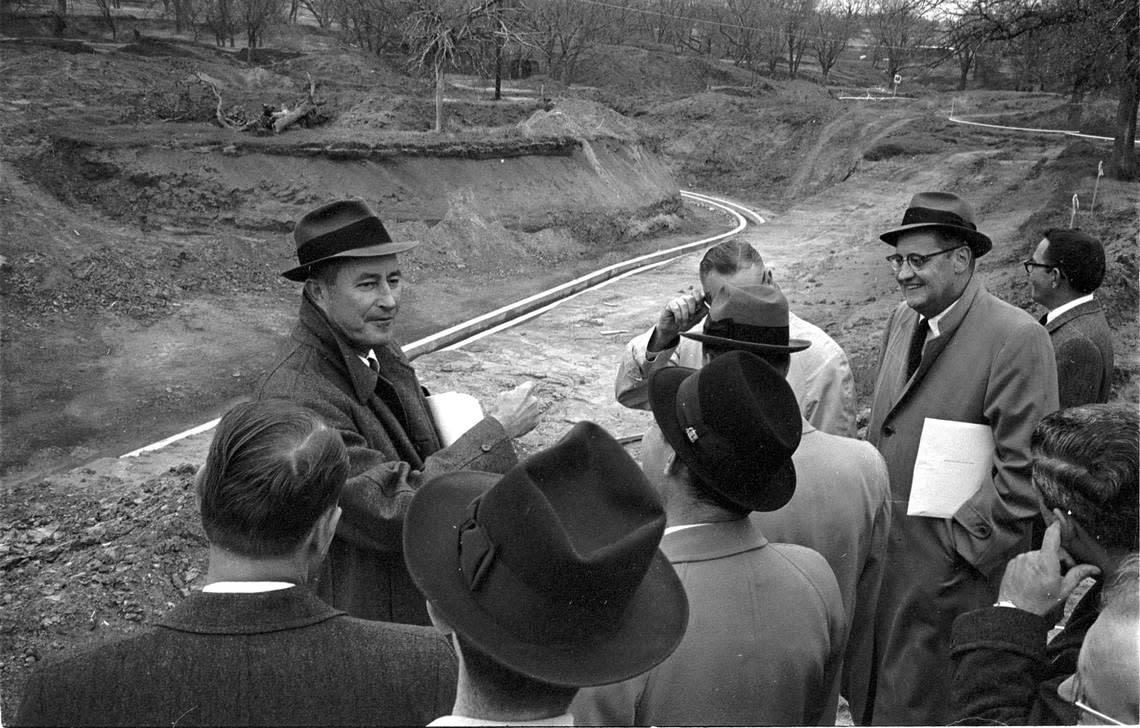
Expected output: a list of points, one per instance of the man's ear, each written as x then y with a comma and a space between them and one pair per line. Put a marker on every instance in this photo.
315, 288
321, 536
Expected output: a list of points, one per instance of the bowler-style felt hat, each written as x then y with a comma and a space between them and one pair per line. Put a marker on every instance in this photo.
749, 317
342, 229
942, 210
552, 569
735, 423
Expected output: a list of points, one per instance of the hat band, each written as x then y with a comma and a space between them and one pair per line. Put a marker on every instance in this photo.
713, 452
729, 329
927, 215
566, 617
360, 234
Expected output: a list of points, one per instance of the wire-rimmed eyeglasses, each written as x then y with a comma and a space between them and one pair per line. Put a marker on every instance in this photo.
917, 261
1075, 696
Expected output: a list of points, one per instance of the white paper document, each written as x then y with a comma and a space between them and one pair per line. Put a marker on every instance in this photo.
954, 459
454, 413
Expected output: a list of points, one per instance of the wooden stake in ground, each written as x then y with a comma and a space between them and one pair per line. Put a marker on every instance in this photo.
1096, 185
1076, 206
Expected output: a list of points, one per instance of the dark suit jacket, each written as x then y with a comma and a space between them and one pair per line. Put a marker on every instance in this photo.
277, 658
392, 453
1082, 343
993, 364
1005, 674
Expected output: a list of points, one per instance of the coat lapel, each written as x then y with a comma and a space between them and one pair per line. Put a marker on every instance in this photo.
935, 346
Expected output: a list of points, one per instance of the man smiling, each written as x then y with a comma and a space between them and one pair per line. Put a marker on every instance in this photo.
342, 361
951, 352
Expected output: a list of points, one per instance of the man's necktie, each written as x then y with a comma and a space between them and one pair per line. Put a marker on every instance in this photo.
917, 340
373, 365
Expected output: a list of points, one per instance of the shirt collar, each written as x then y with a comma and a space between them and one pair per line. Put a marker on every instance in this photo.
370, 357
674, 529
934, 321
463, 720
245, 587
1066, 306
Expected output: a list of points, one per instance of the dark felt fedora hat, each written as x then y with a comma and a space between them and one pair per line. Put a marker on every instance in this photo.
942, 210
735, 423
749, 317
553, 568
342, 229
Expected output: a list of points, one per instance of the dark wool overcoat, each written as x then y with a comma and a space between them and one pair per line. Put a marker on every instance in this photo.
1083, 345
992, 365
1006, 674
275, 658
391, 453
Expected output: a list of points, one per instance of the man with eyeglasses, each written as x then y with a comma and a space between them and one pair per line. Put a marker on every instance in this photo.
1064, 270
1086, 465
953, 352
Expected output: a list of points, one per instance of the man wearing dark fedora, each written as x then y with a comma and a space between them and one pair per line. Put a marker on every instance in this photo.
766, 620
255, 646
548, 578
953, 352
343, 362
841, 507
820, 376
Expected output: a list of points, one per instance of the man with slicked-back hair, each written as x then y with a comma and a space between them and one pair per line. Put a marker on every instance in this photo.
256, 646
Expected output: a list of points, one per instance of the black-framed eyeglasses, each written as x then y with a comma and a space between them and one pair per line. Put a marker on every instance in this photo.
917, 261
1034, 264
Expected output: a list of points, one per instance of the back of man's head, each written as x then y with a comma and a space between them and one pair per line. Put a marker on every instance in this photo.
272, 470
1078, 255
1085, 461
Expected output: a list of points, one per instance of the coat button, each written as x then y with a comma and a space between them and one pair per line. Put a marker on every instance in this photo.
983, 529
888, 430
486, 448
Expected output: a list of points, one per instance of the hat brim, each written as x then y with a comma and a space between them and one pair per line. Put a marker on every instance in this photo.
301, 272
978, 242
651, 628
793, 346
779, 483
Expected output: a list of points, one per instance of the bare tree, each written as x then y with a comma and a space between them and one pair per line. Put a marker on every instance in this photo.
441, 33
740, 25
834, 26
901, 29
1105, 32
563, 30
218, 16
108, 17
257, 17
796, 25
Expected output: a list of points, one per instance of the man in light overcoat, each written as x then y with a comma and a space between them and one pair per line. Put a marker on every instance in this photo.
952, 351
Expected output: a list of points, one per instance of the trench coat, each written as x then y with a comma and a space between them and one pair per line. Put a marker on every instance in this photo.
1082, 342
275, 658
992, 364
842, 509
391, 454
763, 644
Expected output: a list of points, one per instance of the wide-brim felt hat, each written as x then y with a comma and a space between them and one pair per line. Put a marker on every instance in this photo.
752, 316
735, 423
552, 569
342, 229
941, 210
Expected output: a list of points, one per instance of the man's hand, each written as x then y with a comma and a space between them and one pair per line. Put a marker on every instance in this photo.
680, 314
1033, 580
518, 410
